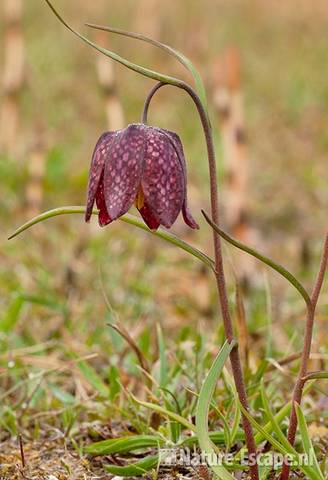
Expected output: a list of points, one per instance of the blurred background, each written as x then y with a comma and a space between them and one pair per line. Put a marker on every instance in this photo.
265, 67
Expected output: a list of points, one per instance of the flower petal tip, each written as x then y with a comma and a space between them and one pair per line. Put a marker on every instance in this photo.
189, 219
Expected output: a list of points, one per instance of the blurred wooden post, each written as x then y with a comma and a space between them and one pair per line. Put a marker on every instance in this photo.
13, 73
228, 101
106, 78
36, 170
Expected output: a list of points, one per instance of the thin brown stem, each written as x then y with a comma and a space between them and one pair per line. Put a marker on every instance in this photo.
308, 335
219, 269
22, 453
144, 118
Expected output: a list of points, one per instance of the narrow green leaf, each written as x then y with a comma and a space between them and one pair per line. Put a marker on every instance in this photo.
8, 420
131, 443
165, 413
114, 382
265, 434
185, 61
226, 434
61, 395
45, 302
320, 375
236, 421
127, 218
163, 367
123, 444
306, 441
218, 438
204, 401
11, 316
132, 66
275, 266
93, 378
275, 425
136, 469
290, 451
175, 427
264, 472
279, 416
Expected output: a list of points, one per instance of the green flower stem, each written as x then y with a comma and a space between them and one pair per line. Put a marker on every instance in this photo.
127, 218
251, 251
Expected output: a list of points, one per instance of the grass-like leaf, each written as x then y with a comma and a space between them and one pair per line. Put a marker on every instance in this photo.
64, 397
264, 472
306, 441
11, 316
218, 438
171, 51
136, 469
92, 377
204, 401
289, 451
267, 261
163, 366
275, 424
320, 375
131, 443
127, 218
268, 427
123, 444
279, 416
237, 417
166, 413
132, 66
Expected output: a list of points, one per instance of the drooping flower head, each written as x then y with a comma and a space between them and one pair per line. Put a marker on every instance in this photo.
142, 165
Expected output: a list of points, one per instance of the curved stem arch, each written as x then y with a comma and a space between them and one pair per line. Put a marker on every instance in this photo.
219, 269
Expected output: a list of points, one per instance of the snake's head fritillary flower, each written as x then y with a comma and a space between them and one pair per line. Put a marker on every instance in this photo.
142, 165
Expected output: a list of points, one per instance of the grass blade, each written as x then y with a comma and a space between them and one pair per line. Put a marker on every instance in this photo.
135, 469
163, 366
236, 421
320, 375
11, 317
92, 377
171, 51
218, 438
203, 405
166, 413
275, 266
127, 218
275, 425
123, 444
306, 441
132, 66
310, 473
279, 416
